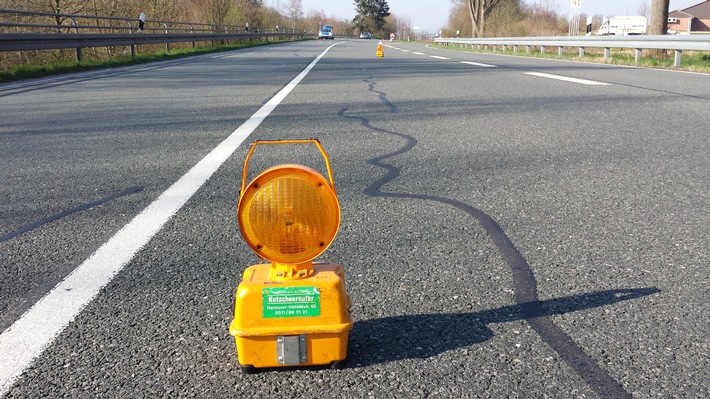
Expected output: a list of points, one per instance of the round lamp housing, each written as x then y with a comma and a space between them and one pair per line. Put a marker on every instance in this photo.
289, 214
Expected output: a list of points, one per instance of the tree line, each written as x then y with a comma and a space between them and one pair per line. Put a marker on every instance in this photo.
371, 16
468, 18
471, 18
285, 14
517, 18
499, 18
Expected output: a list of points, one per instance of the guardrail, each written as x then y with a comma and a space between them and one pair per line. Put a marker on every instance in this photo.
639, 43
30, 30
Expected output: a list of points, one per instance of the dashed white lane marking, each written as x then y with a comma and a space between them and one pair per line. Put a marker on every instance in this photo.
539, 74
568, 79
478, 64
32, 333
446, 58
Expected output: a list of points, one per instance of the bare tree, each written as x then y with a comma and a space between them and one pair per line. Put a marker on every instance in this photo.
659, 17
659, 23
505, 19
478, 10
59, 7
458, 19
644, 9
217, 10
314, 19
542, 19
294, 12
250, 11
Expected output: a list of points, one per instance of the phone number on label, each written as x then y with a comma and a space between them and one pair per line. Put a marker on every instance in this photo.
290, 312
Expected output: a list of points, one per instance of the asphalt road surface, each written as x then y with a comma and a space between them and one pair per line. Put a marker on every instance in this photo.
511, 227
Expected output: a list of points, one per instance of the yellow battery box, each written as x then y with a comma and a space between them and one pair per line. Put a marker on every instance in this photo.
300, 322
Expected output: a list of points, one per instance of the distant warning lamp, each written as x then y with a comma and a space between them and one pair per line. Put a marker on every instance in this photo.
290, 311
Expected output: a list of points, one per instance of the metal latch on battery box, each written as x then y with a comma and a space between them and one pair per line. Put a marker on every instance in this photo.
291, 349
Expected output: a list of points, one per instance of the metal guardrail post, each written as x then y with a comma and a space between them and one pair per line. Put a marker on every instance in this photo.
167, 44
637, 58
132, 47
676, 60
607, 53
79, 55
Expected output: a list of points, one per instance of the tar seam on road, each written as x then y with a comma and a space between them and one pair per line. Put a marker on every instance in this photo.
524, 283
68, 212
30, 335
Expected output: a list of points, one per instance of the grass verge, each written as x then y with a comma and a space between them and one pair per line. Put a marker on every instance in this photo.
692, 61
39, 71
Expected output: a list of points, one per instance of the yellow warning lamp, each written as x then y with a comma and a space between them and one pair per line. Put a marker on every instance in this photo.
380, 49
291, 311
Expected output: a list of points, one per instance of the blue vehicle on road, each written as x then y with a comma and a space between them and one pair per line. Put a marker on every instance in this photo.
326, 32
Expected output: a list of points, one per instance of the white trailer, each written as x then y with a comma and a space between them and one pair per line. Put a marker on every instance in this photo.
622, 26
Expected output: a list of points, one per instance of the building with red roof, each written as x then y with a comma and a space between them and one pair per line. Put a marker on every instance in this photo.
692, 19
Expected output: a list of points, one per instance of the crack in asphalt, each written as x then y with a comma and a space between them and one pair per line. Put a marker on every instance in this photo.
524, 282
67, 212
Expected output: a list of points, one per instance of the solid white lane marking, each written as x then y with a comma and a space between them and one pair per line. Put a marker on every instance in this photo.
568, 79
438, 57
478, 64
30, 335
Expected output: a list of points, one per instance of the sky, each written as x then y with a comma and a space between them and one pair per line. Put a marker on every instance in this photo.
431, 15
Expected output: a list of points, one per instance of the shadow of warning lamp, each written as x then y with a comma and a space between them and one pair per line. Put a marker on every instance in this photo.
290, 311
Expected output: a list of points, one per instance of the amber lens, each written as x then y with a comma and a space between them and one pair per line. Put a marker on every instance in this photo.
289, 214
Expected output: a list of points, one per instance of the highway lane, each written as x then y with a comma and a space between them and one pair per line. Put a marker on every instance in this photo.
605, 203
84, 139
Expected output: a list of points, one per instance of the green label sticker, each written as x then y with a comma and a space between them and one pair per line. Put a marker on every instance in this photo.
290, 302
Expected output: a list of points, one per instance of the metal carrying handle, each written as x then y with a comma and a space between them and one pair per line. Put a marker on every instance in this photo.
286, 141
